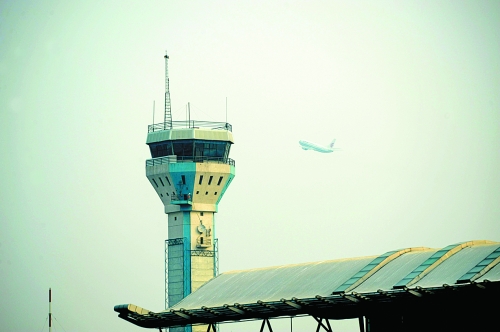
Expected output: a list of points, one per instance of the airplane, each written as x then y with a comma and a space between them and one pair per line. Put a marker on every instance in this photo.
323, 149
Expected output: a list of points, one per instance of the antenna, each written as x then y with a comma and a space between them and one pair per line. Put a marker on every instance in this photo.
167, 121
226, 110
50, 310
154, 111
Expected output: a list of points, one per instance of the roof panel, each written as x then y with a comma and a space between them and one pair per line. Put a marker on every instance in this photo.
491, 275
436, 260
482, 267
394, 271
274, 283
455, 266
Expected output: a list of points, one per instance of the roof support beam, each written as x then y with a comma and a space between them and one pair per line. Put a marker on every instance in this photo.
327, 327
359, 296
448, 287
361, 324
412, 292
245, 309
291, 304
180, 314
211, 326
423, 290
385, 293
213, 312
264, 321
238, 311
350, 298
299, 302
324, 299
268, 306
478, 285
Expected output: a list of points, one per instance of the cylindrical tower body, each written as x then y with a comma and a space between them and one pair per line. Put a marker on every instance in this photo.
190, 171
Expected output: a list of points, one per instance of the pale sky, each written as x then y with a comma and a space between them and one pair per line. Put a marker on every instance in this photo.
410, 90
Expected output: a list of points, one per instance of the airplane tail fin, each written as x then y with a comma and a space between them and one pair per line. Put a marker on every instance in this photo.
332, 143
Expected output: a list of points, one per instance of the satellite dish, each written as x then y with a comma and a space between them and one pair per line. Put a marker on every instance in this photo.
201, 229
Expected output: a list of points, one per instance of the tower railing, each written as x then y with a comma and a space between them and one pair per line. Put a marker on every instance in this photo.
190, 124
184, 199
180, 159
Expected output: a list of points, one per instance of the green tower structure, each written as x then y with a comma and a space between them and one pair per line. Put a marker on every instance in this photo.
190, 170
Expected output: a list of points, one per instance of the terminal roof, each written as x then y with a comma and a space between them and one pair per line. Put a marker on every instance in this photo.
335, 289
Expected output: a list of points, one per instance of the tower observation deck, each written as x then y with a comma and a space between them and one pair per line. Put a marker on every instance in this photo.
190, 170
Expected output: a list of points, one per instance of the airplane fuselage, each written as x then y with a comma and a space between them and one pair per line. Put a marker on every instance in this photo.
311, 146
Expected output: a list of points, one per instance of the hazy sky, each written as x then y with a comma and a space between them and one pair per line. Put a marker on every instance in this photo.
410, 90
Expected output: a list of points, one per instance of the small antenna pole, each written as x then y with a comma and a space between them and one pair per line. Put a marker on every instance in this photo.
50, 310
189, 115
226, 109
167, 121
153, 113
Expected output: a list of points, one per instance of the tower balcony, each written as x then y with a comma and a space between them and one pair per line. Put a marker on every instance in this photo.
184, 199
189, 159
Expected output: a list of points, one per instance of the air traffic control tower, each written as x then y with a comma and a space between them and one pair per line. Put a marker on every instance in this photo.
190, 170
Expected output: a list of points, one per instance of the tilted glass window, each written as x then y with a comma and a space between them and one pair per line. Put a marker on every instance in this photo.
197, 150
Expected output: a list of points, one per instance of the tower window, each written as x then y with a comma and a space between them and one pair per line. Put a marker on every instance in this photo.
156, 184
215, 193
197, 192
210, 180
166, 177
201, 179
220, 180
206, 192
201, 214
183, 179
161, 182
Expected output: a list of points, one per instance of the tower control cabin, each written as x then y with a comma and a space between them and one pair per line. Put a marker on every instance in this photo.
190, 170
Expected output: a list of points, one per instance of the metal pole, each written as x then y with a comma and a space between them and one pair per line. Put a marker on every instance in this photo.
167, 120
50, 310
361, 324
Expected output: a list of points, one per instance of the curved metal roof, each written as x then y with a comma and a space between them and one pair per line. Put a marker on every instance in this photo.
346, 285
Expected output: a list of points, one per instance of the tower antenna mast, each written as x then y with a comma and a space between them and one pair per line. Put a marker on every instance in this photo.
50, 310
167, 121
